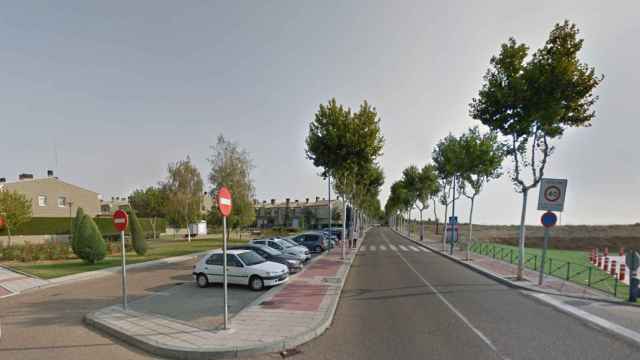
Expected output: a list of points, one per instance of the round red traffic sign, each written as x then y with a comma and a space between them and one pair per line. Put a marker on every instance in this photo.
224, 201
120, 220
552, 193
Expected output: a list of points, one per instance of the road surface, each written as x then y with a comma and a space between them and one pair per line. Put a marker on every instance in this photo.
399, 303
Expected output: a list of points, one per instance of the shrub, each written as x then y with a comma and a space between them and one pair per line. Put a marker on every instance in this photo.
90, 245
74, 228
137, 234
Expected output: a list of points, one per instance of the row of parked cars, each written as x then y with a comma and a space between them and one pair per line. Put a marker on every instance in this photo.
262, 262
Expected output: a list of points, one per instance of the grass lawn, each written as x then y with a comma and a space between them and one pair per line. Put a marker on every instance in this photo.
571, 265
157, 250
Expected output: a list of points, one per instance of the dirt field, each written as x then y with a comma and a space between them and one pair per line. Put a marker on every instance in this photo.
566, 237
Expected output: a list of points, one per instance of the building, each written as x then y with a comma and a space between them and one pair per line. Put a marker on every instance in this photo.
297, 214
52, 197
108, 207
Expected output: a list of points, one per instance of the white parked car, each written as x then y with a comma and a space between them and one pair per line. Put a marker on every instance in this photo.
244, 267
300, 252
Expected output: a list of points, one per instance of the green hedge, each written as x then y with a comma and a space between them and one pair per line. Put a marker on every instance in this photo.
60, 226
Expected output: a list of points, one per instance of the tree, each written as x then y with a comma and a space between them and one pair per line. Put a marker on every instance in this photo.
137, 234
532, 103
15, 208
184, 191
90, 245
340, 143
231, 167
150, 203
422, 186
448, 159
75, 228
483, 156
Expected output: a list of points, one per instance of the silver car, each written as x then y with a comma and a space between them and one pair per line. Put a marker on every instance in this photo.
300, 252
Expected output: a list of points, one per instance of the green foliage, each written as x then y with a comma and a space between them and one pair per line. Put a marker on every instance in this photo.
15, 209
534, 102
184, 190
231, 167
151, 203
90, 245
137, 234
483, 156
74, 228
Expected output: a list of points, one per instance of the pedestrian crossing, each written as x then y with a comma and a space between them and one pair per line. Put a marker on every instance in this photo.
408, 248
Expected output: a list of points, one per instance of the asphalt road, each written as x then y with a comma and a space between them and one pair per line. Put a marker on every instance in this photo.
418, 305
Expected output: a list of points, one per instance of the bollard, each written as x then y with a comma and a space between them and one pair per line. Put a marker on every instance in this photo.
621, 251
599, 263
613, 268
606, 264
622, 274
606, 252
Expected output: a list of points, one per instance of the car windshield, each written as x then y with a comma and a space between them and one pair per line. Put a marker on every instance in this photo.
251, 258
284, 243
270, 251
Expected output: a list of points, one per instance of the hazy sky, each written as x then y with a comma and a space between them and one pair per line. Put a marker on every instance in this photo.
120, 89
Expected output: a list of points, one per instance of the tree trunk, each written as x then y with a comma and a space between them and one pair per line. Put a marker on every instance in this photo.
153, 227
470, 228
8, 234
344, 225
421, 226
188, 232
521, 239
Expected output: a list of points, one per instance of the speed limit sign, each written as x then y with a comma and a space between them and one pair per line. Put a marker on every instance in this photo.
552, 193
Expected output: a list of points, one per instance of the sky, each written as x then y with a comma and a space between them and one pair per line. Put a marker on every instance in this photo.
108, 93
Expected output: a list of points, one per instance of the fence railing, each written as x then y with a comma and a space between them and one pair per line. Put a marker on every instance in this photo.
582, 274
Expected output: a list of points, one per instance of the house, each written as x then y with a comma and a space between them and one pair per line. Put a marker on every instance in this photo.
108, 207
297, 214
52, 197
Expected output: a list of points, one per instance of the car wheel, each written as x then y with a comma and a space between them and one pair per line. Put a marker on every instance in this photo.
202, 280
256, 283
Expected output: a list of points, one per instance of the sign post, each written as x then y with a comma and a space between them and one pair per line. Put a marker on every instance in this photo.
452, 227
548, 220
225, 206
632, 260
120, 221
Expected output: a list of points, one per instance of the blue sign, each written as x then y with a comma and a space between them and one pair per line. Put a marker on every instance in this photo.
548, 219
453, 219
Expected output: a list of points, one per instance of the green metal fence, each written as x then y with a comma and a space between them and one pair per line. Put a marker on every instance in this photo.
585, 275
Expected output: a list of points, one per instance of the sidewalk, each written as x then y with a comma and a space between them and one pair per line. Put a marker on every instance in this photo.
282, 318
12, 283
606, 312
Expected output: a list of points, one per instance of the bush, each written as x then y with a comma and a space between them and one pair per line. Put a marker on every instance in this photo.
137, 234
74, 228
60, 226
90, 245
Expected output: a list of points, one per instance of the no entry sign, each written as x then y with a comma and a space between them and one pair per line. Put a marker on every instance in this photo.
120, 220
552, 193
224, 201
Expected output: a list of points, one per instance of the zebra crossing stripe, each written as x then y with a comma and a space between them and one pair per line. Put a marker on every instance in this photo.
382, 247
426, 250
414, 248
393, 247
372, 247
403, 248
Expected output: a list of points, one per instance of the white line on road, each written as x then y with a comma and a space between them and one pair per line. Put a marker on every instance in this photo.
425, 249
372, 248
414, 248
453, 308
393, 247
382, 247
403, 248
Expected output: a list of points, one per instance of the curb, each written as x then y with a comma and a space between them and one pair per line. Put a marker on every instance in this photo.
233, 351
544, 297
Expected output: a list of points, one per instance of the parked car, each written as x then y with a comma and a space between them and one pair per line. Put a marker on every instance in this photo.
244, 267
285, 247
314, 241
274, 255
334, 231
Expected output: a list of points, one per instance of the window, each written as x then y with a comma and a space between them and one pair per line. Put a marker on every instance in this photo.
62, 201
232, 260
215, 259
250, 258
42, 200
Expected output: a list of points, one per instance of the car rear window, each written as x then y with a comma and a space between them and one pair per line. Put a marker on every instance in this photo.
251, 258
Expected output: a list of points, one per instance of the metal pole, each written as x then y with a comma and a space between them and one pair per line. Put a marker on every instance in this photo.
544, 255
453, 215
330, 232
124, 272
344, 225
224, 271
